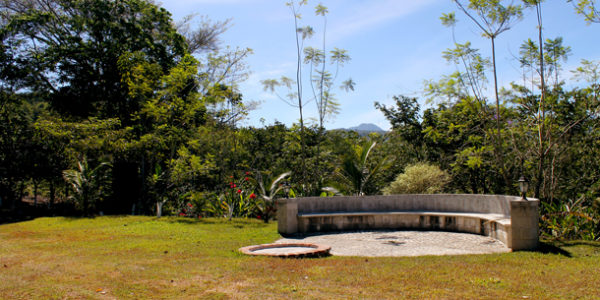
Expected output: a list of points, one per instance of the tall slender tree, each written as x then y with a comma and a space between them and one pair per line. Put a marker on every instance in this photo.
543, 58
295, 99
492, 18
321, 80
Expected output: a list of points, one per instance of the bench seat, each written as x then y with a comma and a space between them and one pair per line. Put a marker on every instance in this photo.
502, 219
510, 219
493, 225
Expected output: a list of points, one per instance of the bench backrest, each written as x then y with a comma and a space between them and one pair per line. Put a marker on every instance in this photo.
494, 204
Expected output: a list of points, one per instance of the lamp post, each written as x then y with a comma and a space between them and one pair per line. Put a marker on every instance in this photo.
286, 189
523, 186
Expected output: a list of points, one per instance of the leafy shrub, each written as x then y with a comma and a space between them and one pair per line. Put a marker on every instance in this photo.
236, 201
239, 200
571, 220
419, 178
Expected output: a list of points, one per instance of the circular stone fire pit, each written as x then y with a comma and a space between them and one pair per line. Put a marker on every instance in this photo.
287, 250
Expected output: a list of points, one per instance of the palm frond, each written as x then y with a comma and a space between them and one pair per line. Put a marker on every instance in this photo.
275, 187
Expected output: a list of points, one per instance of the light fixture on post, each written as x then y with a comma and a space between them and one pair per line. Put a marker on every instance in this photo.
286, 189
523, 187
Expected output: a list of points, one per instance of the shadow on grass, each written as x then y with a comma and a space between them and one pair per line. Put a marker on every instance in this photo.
551, 248
76, 218
23, 212
237, 223
14, 219
561, 247
595, 244
6, 218
17, 219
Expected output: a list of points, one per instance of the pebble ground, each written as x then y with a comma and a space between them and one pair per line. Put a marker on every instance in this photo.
402, 243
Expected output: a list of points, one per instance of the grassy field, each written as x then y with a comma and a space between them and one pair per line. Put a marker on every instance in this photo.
177, 258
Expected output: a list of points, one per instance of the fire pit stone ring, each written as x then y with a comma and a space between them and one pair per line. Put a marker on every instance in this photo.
290, 250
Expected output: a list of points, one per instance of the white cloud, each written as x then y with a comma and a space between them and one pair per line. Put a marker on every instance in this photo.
274, 71
253, 83
370, 14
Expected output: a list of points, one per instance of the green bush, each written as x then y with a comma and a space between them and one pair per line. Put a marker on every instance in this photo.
571, 220
419, 178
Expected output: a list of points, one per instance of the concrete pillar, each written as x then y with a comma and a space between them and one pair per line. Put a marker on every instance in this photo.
287, 216
524, 221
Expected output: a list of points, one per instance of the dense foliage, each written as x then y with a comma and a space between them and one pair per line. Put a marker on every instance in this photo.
107, 107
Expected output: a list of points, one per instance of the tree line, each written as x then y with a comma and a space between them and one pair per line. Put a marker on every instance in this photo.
111, 107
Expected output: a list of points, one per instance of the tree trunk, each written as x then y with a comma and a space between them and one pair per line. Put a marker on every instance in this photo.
299, 87
52, 194
143, 198
85, 205
539, 176
496, 88
35, 193
159, 206
499, 155
66, 191
17, 201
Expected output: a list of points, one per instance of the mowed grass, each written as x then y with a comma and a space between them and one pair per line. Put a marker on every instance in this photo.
178, 258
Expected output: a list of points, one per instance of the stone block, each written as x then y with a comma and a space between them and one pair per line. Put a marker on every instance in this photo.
287, 216
524, 244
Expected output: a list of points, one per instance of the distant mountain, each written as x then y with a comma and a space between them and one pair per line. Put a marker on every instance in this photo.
367, 127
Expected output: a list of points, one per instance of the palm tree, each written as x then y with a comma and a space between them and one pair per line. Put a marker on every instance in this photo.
266, 206
87, 183
357, 171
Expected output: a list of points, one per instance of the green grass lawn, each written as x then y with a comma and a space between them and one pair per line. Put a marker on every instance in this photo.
178, 258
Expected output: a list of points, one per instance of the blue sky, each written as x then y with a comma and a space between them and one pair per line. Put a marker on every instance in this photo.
395, 45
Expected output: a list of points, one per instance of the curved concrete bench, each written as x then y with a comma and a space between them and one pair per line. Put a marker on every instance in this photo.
509, 219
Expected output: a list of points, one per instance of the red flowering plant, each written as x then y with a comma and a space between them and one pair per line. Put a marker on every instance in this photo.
191, 205
236, 199
187, 210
